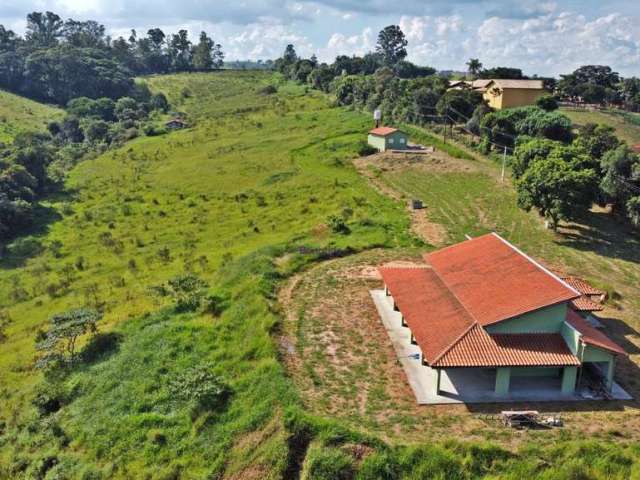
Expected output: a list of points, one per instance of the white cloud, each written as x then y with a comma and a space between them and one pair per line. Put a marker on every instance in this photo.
340, 44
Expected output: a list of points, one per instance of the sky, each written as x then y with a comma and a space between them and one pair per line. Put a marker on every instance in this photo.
540, 37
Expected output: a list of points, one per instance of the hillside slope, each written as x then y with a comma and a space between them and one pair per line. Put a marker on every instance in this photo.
255, 178
19, 114
626, 130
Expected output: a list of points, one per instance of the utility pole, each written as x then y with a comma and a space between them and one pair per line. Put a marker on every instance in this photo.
504, 163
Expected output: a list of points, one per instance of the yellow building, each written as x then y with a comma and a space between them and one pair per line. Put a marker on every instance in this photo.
501, 94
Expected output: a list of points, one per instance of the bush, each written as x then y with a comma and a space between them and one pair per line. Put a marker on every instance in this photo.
338, 225
215, 305
268, 90
201, 389
547, 103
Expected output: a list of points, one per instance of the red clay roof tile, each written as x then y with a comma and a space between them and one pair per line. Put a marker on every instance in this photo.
583, 304
480, 349
383, 131
495, 281
591, 335
433, 314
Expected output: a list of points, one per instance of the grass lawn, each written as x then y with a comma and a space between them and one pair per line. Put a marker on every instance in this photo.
18, 114
627, 125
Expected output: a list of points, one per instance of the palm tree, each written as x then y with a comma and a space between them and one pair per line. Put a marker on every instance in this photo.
475, 66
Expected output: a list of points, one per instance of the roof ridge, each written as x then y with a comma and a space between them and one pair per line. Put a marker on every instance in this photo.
537, 264
457, 340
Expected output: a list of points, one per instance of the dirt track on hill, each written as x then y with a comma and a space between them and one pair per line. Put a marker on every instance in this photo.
431, 232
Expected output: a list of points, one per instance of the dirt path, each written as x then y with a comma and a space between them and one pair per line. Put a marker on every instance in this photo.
431, 232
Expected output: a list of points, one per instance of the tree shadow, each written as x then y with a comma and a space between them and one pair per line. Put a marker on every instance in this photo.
598, 231
27, 243
101, 347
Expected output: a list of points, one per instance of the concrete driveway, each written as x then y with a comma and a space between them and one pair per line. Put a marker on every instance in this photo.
464, 385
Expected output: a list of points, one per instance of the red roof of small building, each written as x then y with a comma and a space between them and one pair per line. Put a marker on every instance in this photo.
580, 285
433, 314
591, 335
481, 349
383, 131
583, 304
495, 281
636, 148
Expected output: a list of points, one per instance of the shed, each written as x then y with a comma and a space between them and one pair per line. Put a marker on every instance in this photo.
387, 138
175, 124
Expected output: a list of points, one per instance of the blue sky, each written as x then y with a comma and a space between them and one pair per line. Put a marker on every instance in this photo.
543, 37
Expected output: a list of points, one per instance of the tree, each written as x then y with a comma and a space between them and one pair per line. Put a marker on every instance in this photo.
556, 189
474, 66
621, 176
89, 34
597, 140
392, 45
404, 69
58, 342
504, 73
44, 29
180, 52
207, 54
290, 56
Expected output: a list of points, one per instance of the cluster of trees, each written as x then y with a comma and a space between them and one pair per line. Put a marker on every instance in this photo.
59, 60
383, 79
601, 85
35, 164
563, 179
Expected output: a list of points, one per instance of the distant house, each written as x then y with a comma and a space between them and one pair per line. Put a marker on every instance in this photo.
387, 138
484, 306
501, 94
175, 124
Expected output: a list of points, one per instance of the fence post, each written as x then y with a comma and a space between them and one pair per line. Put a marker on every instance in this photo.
504, 162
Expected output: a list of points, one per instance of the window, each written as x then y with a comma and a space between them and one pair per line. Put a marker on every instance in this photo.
402, 140
391, 141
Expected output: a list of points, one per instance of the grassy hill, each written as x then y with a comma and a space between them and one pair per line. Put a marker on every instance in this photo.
254, 179
18, 114
255, 191
627, 125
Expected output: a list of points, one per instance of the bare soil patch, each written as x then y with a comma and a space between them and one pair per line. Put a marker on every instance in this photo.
372, 166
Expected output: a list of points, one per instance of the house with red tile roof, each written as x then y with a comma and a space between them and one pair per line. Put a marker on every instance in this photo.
388, 138
485, 304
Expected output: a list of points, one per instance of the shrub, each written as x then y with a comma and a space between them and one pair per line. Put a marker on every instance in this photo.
215, 304
201, 389
268, 90
338, 225
547, 103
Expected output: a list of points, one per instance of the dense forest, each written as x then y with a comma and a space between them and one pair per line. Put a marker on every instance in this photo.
59, 60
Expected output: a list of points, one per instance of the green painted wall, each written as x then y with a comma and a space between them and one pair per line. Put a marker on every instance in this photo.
503, 378
535, 372
571, 336
545, 320
593, 354
377, 142
569, 379
395, 141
